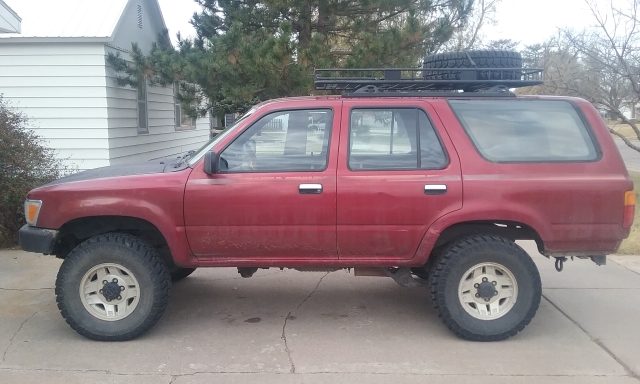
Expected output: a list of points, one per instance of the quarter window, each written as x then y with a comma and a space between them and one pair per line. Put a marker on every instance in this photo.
392, 139
283, 141
526, 130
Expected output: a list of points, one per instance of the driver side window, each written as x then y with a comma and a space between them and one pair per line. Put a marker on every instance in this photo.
283, 141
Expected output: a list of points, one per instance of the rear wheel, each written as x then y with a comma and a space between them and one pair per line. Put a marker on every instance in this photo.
485, 288
112, 287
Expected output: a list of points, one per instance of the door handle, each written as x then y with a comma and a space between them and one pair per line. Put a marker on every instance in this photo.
308, 189
435, 189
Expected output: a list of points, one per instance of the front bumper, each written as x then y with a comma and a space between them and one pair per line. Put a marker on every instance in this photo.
38, 240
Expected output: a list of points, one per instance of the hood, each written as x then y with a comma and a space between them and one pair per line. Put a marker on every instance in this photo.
152, 166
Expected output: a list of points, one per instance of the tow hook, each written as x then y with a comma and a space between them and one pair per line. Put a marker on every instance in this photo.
560, 263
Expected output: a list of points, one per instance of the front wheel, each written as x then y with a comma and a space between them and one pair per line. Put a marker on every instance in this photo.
485, 288
112, 287
179, 273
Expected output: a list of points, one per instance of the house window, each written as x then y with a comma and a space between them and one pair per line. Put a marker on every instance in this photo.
143, 117
182, 120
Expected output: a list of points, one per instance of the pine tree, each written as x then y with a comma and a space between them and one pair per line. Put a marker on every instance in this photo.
249, 51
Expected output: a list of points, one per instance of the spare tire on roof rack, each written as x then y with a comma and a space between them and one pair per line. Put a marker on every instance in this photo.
484, 61
488, 73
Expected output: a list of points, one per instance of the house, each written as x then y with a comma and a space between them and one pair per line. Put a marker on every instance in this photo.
631, 110
53, 68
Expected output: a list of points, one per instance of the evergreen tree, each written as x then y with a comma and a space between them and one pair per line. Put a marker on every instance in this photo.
249, 51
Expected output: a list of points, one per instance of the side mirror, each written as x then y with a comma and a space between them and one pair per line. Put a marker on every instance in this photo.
211, 163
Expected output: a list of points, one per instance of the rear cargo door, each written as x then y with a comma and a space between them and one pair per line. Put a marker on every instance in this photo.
398, 172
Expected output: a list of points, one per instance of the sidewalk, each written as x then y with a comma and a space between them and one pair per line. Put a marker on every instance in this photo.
294, 327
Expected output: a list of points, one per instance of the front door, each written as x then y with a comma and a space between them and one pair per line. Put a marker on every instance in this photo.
399, 173
275, 195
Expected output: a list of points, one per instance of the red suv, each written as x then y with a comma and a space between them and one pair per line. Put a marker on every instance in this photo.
401, 178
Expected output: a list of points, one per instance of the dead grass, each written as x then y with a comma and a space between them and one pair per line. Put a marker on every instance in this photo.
631, 246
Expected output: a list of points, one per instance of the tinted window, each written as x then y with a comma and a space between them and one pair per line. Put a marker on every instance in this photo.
525, 130
388, 139
281, 141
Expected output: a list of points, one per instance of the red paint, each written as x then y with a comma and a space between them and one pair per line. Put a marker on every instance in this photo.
156, 198
384, 214
363, 218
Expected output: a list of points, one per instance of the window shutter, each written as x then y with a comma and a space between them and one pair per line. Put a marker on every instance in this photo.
142, 117
178, 111
143, 121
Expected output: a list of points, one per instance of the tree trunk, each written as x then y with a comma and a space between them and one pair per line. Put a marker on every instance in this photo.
304, 26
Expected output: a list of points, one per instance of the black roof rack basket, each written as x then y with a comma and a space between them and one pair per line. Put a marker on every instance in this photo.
376, 80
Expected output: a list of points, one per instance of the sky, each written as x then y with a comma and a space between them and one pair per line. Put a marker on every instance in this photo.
526, 21
531, 22
177, 14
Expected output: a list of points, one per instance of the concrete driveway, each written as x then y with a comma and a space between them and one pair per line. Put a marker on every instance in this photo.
295, 327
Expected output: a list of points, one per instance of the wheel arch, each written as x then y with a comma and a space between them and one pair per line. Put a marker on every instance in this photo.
75, 231
510, 229
513, 230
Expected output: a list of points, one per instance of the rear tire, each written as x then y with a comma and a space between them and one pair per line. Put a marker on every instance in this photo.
473, 59
485, 288
91, 278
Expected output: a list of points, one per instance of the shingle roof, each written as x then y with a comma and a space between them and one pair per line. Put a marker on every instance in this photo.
67, 18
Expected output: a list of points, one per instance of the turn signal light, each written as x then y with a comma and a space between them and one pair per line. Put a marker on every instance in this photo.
31, 210
629, 209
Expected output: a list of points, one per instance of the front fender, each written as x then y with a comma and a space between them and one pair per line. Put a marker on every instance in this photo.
156, 198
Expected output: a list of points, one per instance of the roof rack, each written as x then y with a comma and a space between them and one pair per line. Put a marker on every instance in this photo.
424, 82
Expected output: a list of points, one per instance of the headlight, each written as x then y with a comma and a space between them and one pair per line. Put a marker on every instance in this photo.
31, 210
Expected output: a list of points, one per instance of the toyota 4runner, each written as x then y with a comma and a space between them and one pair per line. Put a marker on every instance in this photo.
427, 176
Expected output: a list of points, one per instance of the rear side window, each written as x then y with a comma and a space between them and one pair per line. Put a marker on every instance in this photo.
402, 138
525, 130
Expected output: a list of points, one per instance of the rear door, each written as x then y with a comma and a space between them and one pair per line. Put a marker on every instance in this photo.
397, 173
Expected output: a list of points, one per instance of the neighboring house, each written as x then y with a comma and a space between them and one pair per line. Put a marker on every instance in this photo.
55, 72
630, 110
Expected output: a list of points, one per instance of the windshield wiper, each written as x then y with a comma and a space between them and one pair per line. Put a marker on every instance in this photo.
184, 158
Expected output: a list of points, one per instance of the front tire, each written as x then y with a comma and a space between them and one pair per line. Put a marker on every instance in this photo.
112, 287
485, 288
179, 273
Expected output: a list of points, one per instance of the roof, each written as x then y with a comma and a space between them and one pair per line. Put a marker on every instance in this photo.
68, 19
9, 19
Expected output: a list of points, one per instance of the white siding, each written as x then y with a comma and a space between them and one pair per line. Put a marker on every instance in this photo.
61, 88
126, 145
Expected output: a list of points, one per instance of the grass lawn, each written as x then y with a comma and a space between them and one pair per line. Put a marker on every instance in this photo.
631, 246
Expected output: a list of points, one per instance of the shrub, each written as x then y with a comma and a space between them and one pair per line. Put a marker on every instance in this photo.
25, 163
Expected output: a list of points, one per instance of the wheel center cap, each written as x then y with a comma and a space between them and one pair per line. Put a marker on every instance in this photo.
486, 290
111, 290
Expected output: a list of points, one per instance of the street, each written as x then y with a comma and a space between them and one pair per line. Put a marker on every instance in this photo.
630, 157
302, 327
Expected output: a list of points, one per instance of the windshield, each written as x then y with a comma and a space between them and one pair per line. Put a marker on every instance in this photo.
207, 147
